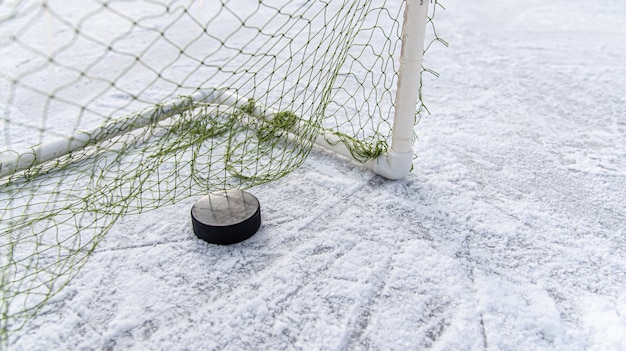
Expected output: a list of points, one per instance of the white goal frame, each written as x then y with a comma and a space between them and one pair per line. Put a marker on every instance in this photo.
394, 164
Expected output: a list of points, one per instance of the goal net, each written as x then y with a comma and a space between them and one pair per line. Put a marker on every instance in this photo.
111, 108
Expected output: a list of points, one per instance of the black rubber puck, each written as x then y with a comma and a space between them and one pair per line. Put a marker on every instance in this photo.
226, 217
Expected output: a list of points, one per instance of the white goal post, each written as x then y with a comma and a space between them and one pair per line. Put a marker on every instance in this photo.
396, 163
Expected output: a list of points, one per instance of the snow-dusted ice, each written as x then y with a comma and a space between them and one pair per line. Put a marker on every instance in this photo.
510, 233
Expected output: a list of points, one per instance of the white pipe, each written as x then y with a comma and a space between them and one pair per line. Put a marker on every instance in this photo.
12, 162
399, 159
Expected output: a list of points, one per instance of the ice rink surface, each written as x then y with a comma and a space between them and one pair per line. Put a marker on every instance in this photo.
509, 234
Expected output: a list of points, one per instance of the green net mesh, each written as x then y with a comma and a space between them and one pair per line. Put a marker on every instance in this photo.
139, 87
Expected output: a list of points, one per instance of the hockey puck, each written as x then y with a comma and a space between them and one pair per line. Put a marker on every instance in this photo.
226, 217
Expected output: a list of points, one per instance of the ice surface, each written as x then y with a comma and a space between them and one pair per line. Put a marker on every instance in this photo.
510, 234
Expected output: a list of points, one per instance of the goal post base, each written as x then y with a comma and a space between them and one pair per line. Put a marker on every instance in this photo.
393, 165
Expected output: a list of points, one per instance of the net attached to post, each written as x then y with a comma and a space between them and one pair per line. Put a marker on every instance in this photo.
112, 108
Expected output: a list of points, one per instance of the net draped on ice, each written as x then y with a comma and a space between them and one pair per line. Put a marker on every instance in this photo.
112, 108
